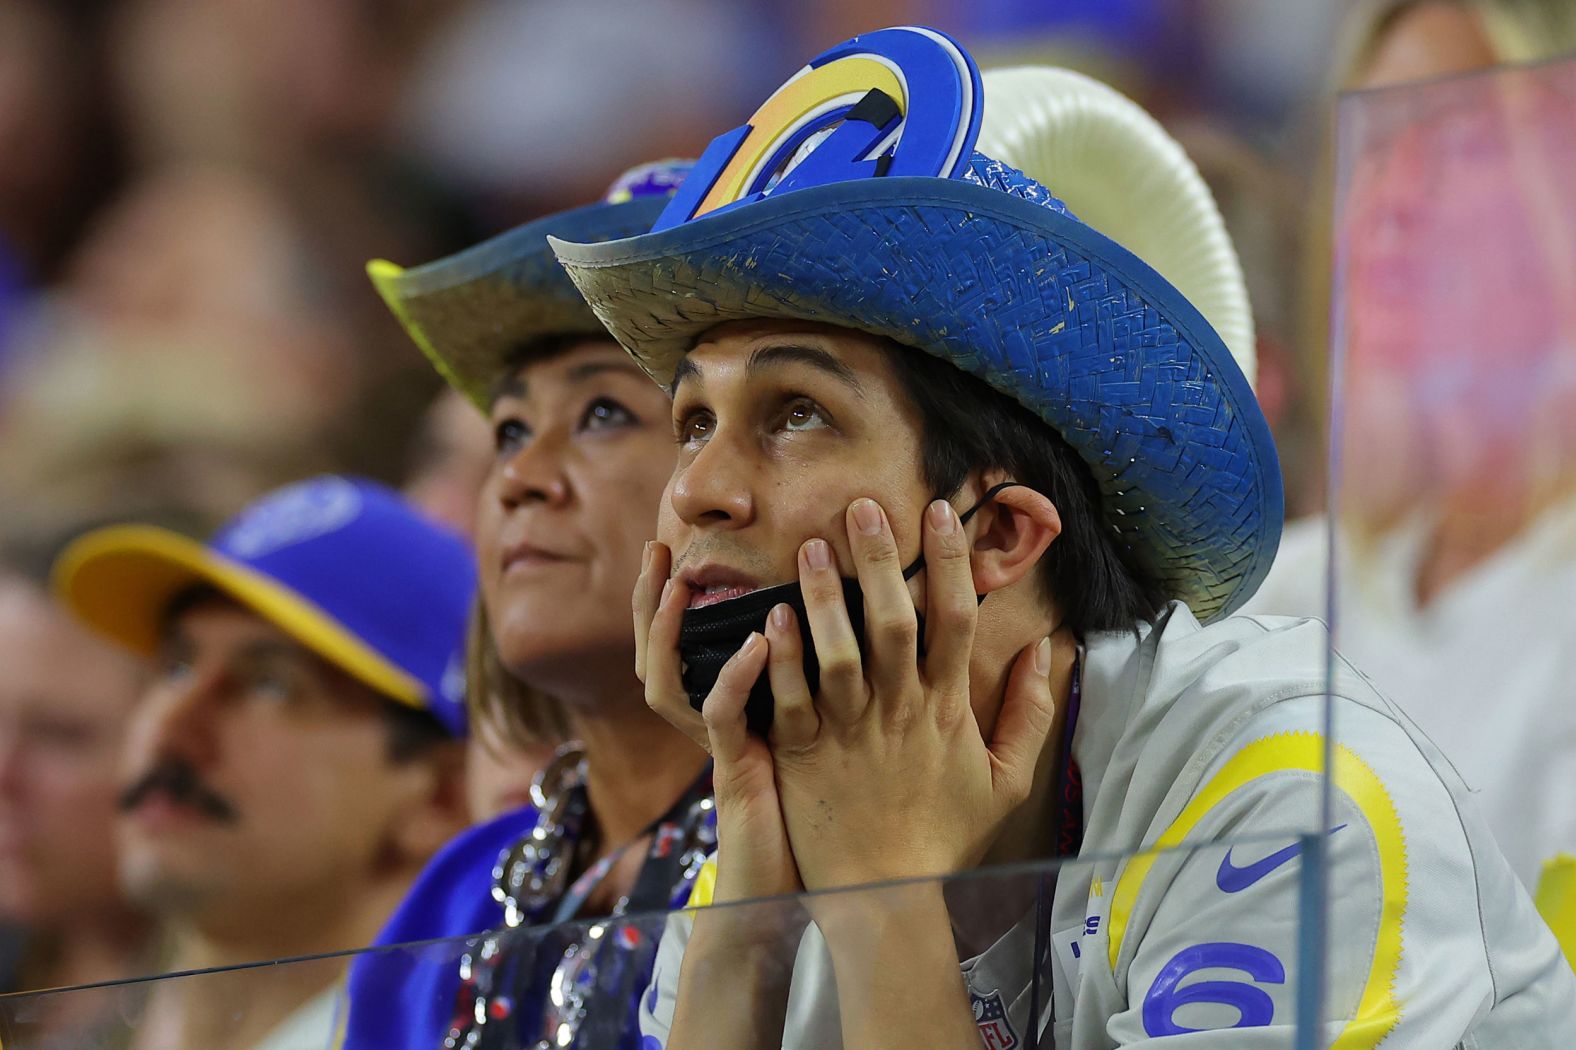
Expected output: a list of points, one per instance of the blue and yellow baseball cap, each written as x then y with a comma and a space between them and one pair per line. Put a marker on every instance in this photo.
344, 566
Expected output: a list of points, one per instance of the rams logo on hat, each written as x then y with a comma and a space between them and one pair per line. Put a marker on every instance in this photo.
902, 101
292, 515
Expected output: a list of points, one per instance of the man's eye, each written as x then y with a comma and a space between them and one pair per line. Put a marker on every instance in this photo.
695, 428
509, 435
172, 667
270, 685
605, 413
803, 414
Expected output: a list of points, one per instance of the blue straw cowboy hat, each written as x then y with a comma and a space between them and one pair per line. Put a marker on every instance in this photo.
471, 311
810, 212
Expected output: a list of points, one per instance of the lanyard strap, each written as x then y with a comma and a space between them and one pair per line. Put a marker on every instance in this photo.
1069, 840
658, 874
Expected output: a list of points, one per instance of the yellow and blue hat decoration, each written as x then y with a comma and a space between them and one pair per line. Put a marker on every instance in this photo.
855, 196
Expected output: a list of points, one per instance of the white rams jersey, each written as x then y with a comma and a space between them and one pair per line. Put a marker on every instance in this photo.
1193, 735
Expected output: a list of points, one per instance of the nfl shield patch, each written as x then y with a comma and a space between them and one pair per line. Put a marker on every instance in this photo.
990, 1016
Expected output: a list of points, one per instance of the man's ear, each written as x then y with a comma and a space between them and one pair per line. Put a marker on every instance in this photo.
1011, 533
434, 808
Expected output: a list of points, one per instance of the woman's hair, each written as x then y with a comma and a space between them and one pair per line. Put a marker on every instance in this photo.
518, 713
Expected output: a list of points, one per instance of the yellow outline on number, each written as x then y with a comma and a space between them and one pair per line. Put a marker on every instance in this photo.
1377, 1011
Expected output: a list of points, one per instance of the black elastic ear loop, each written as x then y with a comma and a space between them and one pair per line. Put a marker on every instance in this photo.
963, 519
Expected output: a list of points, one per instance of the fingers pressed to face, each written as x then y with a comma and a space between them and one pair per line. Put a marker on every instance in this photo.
723, 711
654, 569
794, 720
1028, 712
664, 685
842, 689
951, 607
891, 625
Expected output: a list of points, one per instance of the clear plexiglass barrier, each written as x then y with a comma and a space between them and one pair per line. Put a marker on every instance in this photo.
1446, 565
1099, 952
1453, 497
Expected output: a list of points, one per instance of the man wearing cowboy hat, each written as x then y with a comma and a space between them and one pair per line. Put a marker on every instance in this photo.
1006, 482
292, 761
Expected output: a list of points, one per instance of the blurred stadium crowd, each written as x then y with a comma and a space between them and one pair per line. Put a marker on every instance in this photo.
189, 191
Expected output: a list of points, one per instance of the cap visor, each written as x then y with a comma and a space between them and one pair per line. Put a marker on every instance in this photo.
121, 580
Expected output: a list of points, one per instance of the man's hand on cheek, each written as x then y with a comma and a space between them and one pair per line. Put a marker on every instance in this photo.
753, 856
884, 774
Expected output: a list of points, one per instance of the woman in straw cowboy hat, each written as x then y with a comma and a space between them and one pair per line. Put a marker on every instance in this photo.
890, 349
620, 817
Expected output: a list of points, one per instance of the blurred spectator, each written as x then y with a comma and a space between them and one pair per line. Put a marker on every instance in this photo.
59, 156
281, 82
290, 766
526, 105
196, 350
1382, 43
454, 452
1456, 549
64, 701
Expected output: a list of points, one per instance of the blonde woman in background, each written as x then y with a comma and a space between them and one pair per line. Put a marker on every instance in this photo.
1456, 243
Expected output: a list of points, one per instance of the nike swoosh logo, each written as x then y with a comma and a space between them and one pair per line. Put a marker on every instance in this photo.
1232, 879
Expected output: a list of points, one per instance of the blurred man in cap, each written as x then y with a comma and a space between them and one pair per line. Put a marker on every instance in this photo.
292, 762
65, 698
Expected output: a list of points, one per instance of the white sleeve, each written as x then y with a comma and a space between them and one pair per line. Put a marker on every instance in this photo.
656, 1003
1209, 939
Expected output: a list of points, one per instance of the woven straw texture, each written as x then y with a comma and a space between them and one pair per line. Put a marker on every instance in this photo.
1122, 173
991, 274
468, 312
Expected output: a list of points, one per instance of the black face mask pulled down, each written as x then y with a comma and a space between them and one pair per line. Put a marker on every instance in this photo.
711, 634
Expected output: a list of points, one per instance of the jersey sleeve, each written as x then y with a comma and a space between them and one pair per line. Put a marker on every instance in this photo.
657, 1003
1208, 939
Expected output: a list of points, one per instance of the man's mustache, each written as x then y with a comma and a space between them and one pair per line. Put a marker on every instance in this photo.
179, 781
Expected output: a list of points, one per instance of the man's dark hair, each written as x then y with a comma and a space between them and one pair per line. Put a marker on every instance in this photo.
413, 732
1094, 577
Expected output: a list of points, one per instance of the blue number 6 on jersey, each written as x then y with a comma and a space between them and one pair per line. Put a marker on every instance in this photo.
1255, 1008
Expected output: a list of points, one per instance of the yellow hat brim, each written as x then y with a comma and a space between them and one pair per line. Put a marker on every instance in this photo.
120, 581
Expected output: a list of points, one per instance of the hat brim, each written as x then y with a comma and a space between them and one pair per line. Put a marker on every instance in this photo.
120, 582
471, 311
1037, 304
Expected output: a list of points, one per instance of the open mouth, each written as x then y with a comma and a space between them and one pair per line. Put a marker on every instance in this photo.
721, 593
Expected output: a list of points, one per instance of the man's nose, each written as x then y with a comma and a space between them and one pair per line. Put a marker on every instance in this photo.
181, 718
716, 487
535, 473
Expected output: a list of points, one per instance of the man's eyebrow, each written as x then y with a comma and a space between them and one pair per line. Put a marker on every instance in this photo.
778, 354
271, 649
686, 369
814, 357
